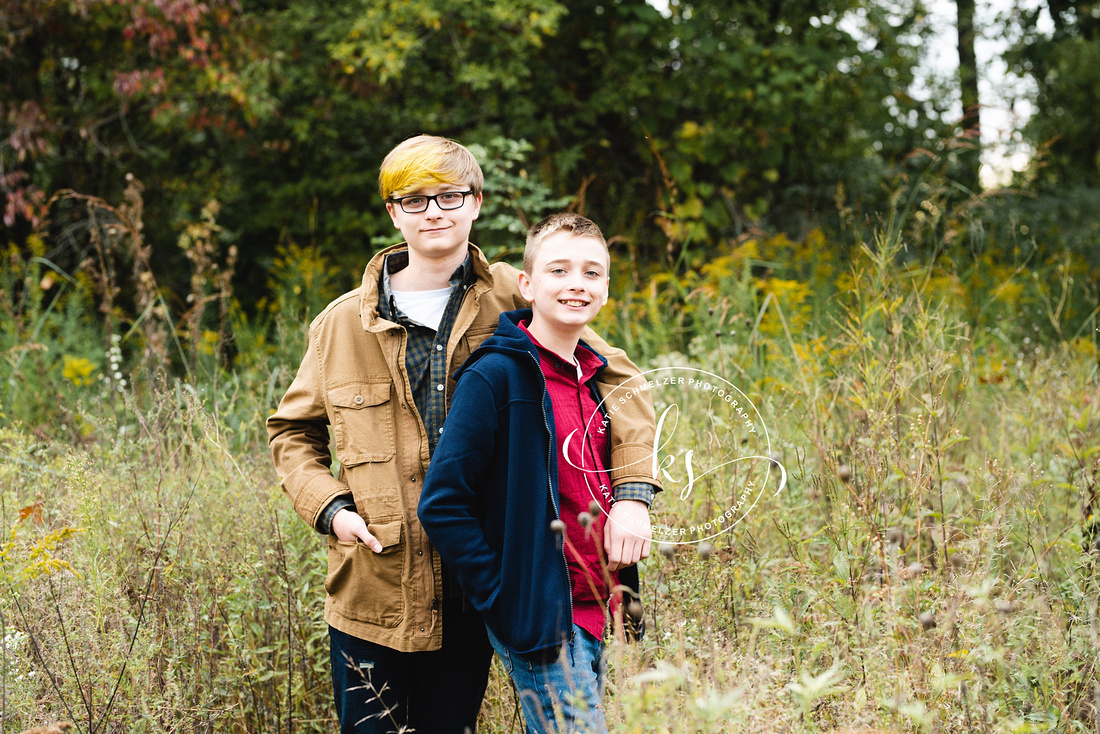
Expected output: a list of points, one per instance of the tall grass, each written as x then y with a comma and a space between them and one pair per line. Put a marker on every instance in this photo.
931, 566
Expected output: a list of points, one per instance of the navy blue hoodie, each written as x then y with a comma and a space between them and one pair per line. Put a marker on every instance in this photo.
491, 493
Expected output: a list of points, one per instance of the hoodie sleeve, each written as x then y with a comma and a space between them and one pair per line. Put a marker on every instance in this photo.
452, 507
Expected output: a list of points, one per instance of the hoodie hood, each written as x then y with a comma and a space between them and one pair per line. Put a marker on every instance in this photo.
510, 339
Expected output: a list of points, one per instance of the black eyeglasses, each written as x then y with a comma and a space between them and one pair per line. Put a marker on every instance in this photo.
446, 201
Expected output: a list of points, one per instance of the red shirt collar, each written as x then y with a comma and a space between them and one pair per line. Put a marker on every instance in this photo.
589, 361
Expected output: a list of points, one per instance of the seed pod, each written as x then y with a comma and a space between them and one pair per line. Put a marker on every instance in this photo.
845, 473
594, 507
557, 527
705, 550
634, 609
584, 519
927, 620
666, 550
914, 569
1004, 606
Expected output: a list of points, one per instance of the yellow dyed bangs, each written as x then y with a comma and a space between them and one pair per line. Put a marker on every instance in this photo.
425, 161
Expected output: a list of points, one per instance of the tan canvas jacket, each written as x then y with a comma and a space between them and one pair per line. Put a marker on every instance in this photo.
353, 380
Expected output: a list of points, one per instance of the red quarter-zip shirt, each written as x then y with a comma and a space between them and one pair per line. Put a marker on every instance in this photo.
582, 479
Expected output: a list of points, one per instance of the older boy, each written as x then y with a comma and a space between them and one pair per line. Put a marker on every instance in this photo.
406, 651
518, 493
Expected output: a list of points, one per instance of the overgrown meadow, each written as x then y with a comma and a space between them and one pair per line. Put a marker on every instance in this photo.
929, 567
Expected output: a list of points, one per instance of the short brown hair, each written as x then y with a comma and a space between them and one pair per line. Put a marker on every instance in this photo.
563, 222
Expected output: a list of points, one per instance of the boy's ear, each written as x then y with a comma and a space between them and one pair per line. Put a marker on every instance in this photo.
477, 206
392, 209
525, 286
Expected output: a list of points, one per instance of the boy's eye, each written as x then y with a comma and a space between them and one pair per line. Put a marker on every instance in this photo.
557, 271
414, 202
449, 198
593, 274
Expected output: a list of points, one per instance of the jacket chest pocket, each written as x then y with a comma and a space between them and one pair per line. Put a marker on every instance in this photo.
362, 420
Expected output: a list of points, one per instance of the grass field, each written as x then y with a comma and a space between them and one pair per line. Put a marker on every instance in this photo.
929, 567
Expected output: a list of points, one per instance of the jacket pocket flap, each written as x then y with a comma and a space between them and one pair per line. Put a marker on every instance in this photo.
388, 533
361, 395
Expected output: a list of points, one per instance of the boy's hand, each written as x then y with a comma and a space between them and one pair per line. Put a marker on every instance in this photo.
626, 534
348, 526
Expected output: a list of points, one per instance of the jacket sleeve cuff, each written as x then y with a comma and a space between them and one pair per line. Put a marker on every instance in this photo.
640, 491
633, 462
324, 520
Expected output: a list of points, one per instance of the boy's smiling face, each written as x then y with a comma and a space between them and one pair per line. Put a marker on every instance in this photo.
434, 232
568, 282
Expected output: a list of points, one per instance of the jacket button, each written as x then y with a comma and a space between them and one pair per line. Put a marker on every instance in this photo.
412, 479
358, 399
420, 553
439, 388
421, 629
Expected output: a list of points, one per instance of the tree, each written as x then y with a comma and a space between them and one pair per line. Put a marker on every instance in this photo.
689, 127
968, 85
1065, 65
91, 91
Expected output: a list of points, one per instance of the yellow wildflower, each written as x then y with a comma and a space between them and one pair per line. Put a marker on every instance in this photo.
77, 370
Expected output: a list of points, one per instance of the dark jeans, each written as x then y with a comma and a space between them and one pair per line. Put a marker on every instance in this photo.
439, 692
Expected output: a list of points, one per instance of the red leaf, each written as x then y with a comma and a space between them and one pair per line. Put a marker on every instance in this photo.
33, 511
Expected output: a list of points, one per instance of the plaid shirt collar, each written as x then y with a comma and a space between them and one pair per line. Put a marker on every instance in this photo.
395, 262
426, 364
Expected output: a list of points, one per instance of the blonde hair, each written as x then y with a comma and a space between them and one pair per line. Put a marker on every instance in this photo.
428, 160
565, 222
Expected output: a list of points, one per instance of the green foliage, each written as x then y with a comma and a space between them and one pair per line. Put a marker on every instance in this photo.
789, 81
483, 43
1064, 65
694, 127
514, 198
49, 338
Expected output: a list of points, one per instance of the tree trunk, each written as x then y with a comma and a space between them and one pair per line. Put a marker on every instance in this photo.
971, 151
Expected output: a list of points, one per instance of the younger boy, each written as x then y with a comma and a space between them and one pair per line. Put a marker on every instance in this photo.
518, 493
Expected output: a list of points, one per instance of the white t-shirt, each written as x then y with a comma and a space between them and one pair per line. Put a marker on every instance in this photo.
423, 307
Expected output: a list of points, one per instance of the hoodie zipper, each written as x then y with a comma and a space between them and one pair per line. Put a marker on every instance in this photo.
550, 488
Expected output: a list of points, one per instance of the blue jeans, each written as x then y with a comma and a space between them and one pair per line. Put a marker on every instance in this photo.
378, 690
563, 695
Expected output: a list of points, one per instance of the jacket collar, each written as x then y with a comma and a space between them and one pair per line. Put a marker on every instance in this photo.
368, 291
510, 339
